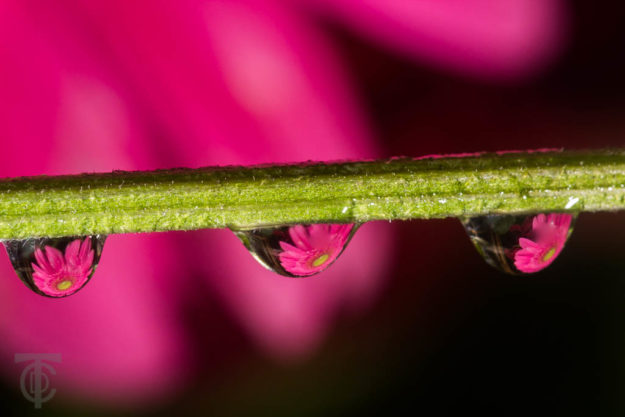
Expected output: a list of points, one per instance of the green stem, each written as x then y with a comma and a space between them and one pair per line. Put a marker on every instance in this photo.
249, 197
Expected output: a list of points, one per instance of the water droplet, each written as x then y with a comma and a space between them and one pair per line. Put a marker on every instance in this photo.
572, 201
55, 267
521, 244
299, 250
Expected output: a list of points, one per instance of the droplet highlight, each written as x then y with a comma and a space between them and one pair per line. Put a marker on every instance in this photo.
299, 250
55, 267
522, 244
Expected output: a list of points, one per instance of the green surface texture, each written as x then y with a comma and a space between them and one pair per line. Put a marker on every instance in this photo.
249, 197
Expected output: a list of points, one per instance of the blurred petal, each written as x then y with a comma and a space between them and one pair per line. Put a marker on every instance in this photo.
29, 86
117, 337
285, 79
489, 38
230, 86
303, 112
243, 82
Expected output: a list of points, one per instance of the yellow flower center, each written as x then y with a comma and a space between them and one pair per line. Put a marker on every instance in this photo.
63, 285
549, 254
320, 260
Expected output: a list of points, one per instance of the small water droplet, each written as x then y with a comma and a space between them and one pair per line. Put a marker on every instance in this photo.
572, 201
55, 267
299, 250
521, 244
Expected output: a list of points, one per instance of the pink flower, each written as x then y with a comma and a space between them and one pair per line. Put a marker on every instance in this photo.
316, 247
104, 85
496, 39
59, 276
550, 233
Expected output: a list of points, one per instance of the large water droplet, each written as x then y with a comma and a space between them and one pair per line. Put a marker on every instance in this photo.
300, 250
521, 244
55, 267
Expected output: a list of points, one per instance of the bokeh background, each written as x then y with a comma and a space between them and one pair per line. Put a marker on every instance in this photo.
410, 319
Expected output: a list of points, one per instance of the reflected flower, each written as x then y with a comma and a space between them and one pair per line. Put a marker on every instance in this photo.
549, 234
57, 275
314, 247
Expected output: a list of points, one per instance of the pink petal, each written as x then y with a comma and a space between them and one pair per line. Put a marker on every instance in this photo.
87, 262
85, 248
502, 39
63, 110
300, 236
55, 258
38, 271
71, 252
269, 93
528, 244
43, 263
216, 94
290, 248
30, 83
116, 336
539, 221
320, 236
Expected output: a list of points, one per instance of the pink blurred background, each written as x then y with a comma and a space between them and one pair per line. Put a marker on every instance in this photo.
188, 321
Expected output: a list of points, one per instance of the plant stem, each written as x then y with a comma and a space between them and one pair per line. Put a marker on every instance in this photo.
250, 197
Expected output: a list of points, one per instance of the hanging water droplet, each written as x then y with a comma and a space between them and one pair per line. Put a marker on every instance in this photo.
299, 250
520, 244
55, 267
